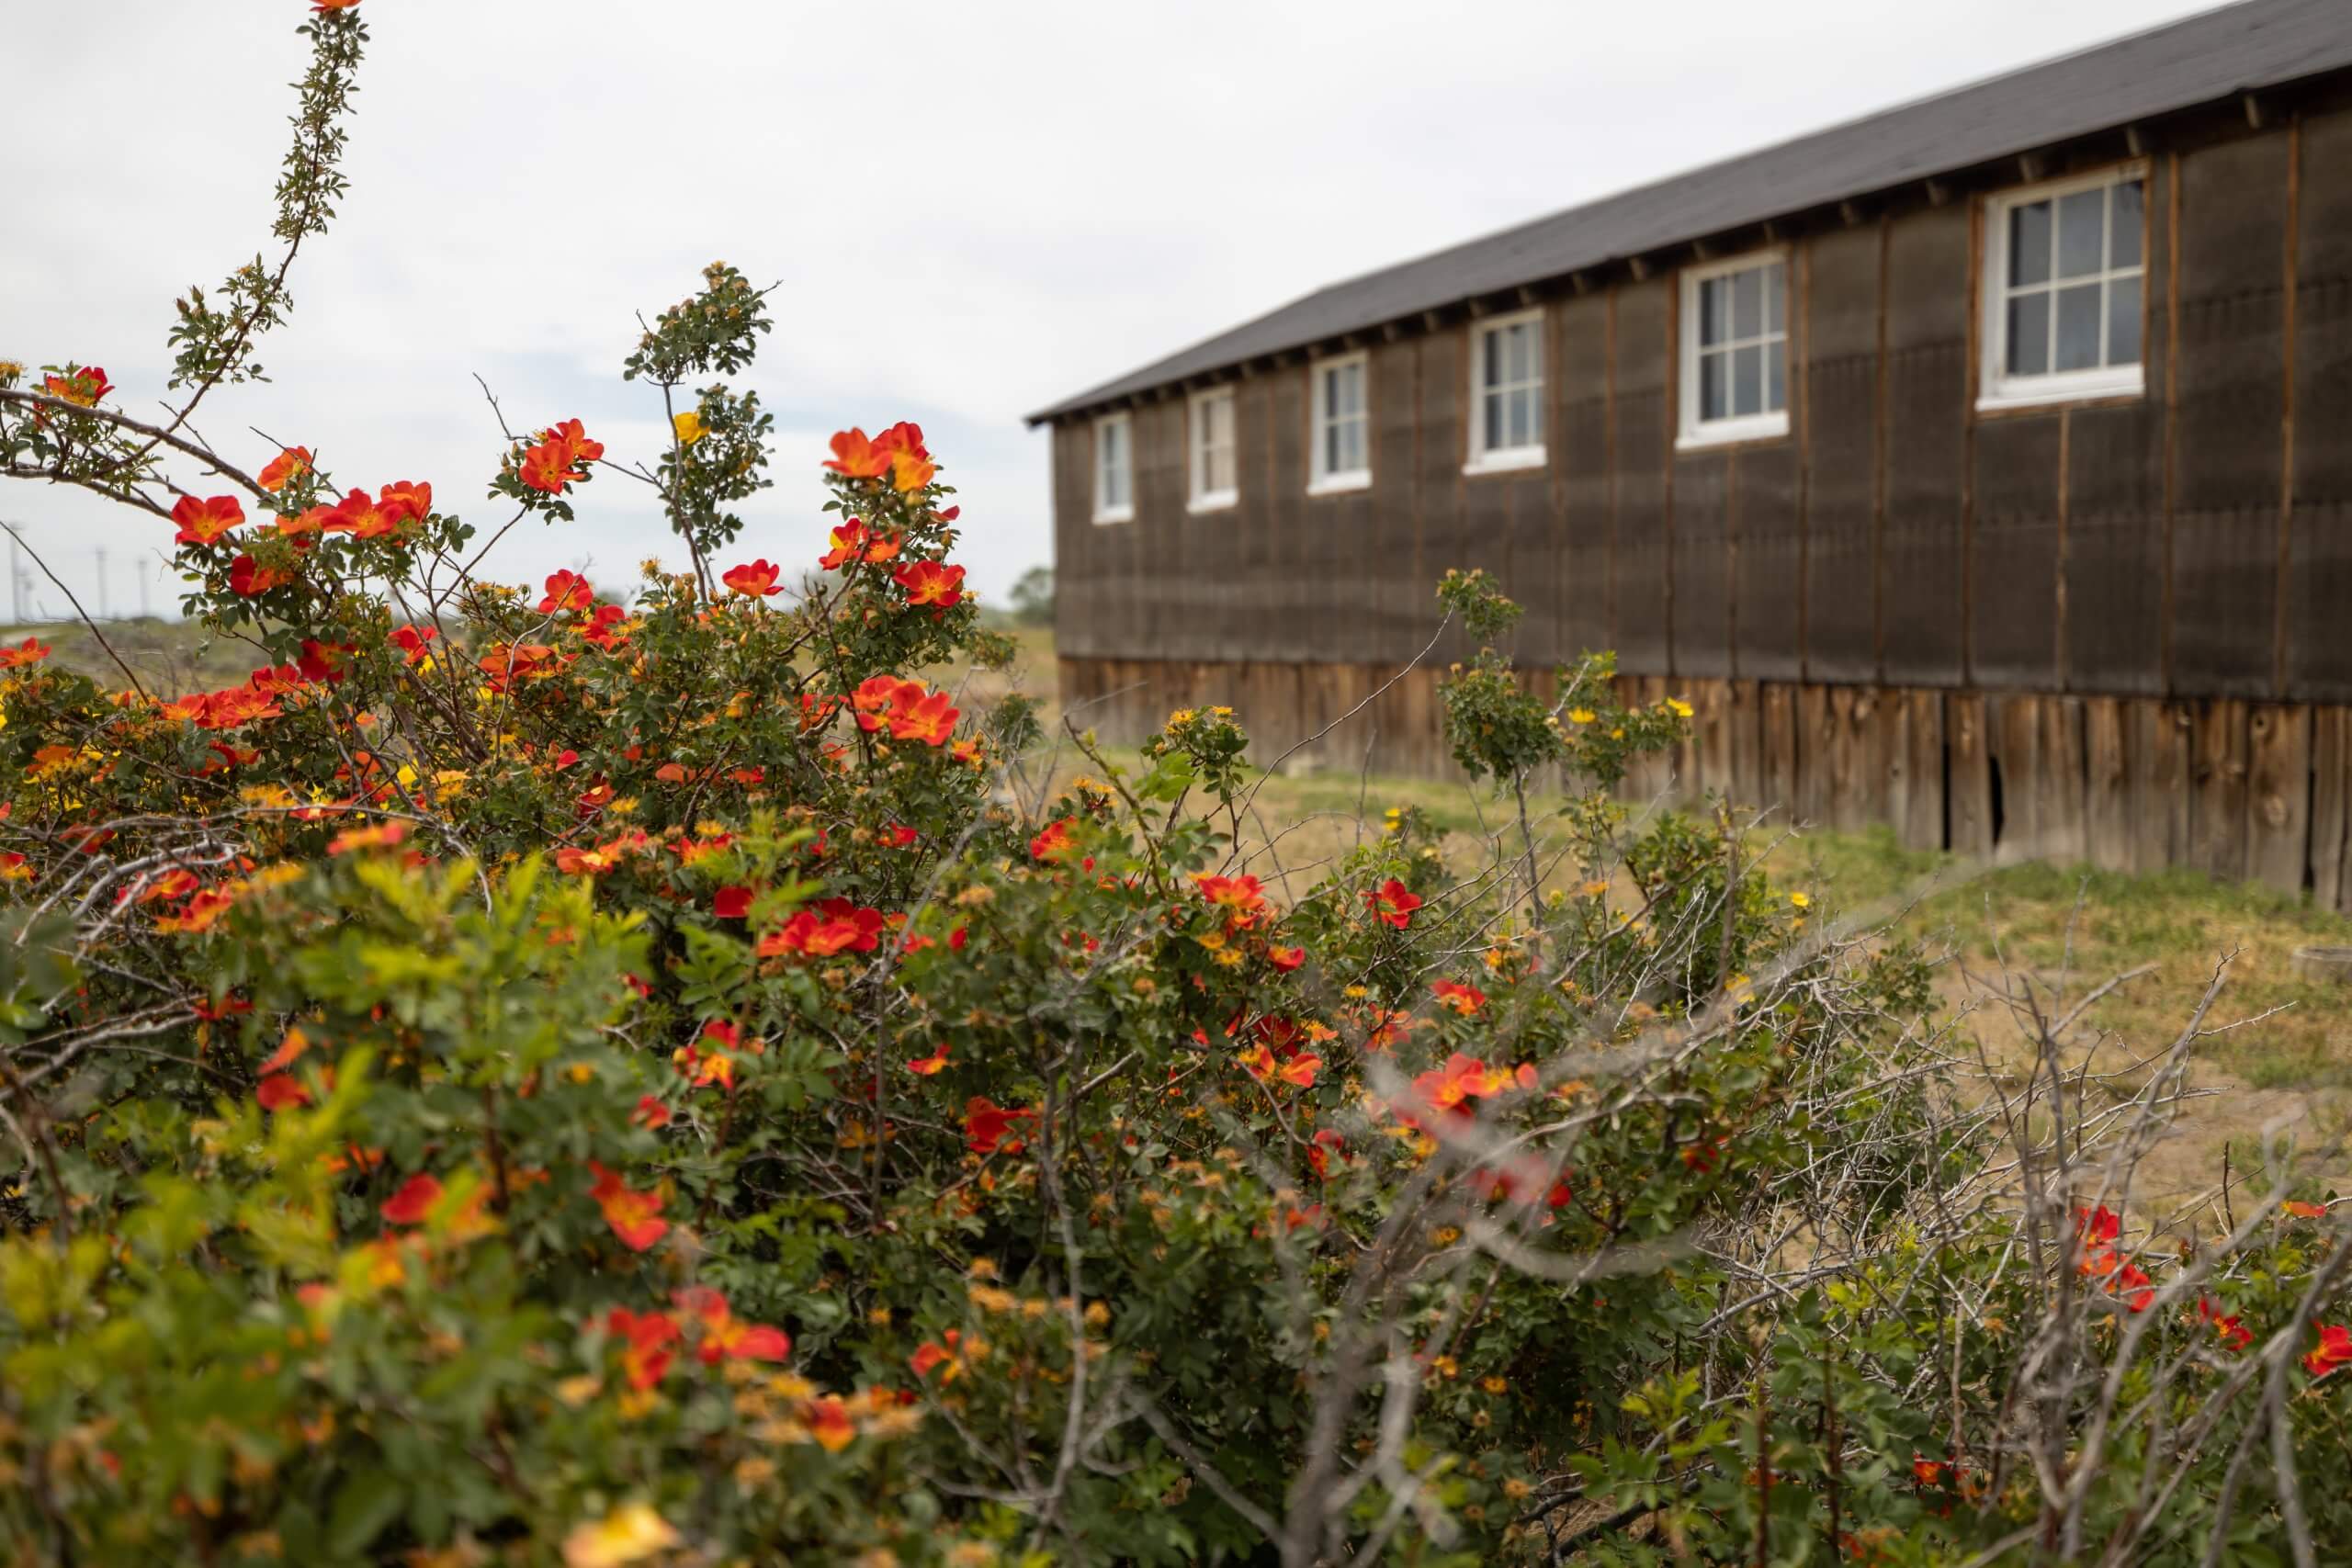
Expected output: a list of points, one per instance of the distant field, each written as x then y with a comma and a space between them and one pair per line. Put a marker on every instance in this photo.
170, 657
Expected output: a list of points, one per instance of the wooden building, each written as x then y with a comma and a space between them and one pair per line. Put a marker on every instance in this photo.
1983, 467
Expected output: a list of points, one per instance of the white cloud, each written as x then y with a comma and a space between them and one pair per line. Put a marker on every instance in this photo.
970, 210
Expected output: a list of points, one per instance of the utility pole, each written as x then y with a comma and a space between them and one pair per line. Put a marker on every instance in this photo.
101, 553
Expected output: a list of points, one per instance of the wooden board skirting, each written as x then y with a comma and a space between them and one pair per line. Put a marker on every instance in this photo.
2236, 788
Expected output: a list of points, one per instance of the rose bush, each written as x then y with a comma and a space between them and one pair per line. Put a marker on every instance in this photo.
531, 1076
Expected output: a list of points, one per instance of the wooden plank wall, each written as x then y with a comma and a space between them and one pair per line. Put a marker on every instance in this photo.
2239, 789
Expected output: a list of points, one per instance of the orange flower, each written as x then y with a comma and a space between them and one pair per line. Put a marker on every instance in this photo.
651, 1113
548, 467
288, 465
413, 494
362, 518
201, 522
2334, 1350
32, 651
2304, 1211
1257, 1062
924, 1066
725, 1337
931, 582
85, 384
573, 439
1299, 1071
289, 1050
1464, 999
1394, 903
856, 457
636, 1217
15, 867
1242, 895
932, 1355
987, 1124
1461, 1080
199, 913
248, 577
829, 1423
1286, 958
320, 7
412, 1201
931, 721
383, 836
851, 542
756, 581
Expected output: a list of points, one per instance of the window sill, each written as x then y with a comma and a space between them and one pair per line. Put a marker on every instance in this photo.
1340, 484
1510, 462
1115, 515
1216, 501
2071, 387
1731, 431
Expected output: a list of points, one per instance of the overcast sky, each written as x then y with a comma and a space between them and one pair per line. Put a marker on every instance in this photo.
969, 209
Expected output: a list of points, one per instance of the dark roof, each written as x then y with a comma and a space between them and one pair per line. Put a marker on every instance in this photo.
2240, 48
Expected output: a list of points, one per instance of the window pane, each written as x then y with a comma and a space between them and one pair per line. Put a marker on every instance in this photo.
1490, 363
1775, 290
1747, 302
1711, 299
2029, 334
1330, 449
2124, 223
1535, 352
1351, 447
1522, 418
2123, 321
1493, 420
1748, 380
2079, 316
1776, 392
2030, 243
1220, 466
1351, 378
1714, 390
2082, 229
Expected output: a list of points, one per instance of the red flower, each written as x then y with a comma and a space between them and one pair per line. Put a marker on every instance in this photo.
328, 662
2232, 1333
834, 926
1052, 843
986, 1125
828, 1422
856, 457
248, 577
412, 495
1286, 958
910, 464
288, 465
1241, 895
201, 522
924, 1066
1464, 999
1394, 903
756, 581
943, 1352
549, 465
32, 651
280, 1090
651, 1113
647, 1338
412, 1201
851, 542
320, 7
567, 590
931, 721
877, 696
931, 582
1461, 1080
636, 1217
2334, 1350
731, 903
363, 518
85, 384
572, 437
2099, 1227
411, 641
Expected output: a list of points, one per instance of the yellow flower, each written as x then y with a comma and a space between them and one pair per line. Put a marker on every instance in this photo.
630, 1533
1801, 900
1581, 716
689, 427
1681, 709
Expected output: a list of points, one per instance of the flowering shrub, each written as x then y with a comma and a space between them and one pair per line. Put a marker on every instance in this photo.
533, 1077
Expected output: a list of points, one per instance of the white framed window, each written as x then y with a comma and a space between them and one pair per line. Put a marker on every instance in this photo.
1114, 469
1342, 424
1735, 337
1507, 392
2065, 275
1216, 471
